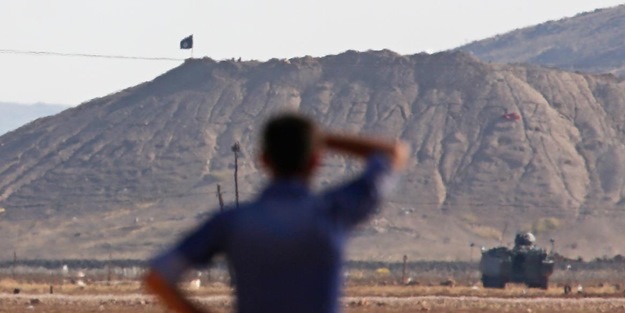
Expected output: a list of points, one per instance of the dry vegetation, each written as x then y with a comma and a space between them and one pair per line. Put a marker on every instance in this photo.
129, 297
375, 290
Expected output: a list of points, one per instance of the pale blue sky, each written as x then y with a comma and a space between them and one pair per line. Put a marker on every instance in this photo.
251, 29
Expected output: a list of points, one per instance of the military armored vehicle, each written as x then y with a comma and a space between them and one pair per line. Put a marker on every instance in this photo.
525, 263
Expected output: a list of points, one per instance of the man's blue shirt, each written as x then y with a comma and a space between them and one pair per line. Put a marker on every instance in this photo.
286, 247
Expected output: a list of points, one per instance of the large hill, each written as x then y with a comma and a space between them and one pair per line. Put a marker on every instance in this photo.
13, 115
587, 42
496, 149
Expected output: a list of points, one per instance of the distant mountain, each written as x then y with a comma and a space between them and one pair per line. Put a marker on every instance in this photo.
588, 42
496, 148
13, 115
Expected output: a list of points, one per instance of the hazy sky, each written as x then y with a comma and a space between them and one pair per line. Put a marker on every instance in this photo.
251, 29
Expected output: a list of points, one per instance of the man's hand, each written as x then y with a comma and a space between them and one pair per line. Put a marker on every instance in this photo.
400, 155
170, 295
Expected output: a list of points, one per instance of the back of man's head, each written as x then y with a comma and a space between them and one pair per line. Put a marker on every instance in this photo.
288, 143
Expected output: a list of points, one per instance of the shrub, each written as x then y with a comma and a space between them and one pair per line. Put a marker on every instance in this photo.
486, 232
545, 225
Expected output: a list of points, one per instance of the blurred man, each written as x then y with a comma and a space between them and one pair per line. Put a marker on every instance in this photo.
286, 246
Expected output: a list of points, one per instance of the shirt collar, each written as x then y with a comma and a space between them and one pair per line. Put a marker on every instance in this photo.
281, 188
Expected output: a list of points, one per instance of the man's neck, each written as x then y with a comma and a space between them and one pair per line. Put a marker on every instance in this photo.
301, 179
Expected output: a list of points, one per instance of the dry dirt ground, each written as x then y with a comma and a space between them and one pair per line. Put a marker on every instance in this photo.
129, 298
140, 303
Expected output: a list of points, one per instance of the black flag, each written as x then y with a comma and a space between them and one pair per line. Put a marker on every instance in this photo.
186, 43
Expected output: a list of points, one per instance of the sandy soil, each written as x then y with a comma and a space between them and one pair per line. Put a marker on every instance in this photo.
133, 303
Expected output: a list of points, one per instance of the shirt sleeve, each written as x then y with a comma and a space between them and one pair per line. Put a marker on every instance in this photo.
353, 202
195, 250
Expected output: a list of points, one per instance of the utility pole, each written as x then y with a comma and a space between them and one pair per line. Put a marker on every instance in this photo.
236, 149
471, 246
403, 271
503, 233
14, 264
109, 270
221, 200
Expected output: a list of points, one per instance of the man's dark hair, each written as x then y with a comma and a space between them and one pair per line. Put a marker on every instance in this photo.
288, 142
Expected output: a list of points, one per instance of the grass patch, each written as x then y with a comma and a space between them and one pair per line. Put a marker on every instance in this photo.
469, 218
544, 225
486, 232
219, 175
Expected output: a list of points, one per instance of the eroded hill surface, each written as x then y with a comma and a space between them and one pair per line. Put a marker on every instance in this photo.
496, 149
587, 42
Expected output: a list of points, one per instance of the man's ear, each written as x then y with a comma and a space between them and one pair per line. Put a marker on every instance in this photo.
313, 162
265, 163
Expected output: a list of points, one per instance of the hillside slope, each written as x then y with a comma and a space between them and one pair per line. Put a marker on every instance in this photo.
587, 42
496, 148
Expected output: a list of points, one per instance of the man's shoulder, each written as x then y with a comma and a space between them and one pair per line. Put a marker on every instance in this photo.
219, 217
231, 211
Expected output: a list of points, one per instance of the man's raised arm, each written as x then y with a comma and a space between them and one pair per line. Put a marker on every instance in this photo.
363, 147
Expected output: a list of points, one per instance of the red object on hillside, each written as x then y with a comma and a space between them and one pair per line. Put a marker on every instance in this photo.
512, 116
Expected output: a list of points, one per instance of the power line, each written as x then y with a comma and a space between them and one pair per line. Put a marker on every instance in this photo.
87, 55
126, 57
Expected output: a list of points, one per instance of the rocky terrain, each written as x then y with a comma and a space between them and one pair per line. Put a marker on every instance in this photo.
587, 42
496, 149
